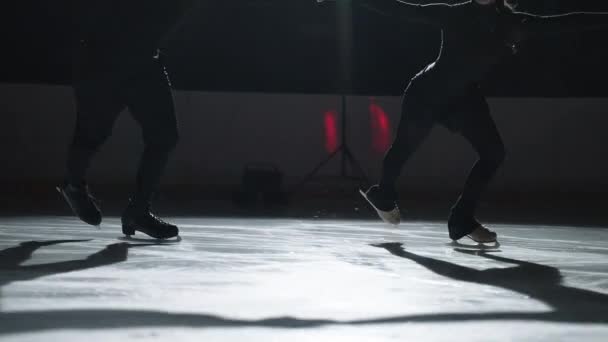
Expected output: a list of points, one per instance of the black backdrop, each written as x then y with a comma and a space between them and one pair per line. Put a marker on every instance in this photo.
294, 46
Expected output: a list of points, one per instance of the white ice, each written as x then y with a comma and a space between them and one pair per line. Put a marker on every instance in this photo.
300, 280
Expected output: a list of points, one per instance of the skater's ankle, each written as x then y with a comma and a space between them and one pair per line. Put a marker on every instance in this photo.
463, 209
382, 199
387, 191
137, 207
461, 217
386, 187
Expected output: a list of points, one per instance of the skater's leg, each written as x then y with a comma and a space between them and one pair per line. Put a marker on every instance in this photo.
479, 129
97, 106
151, 103
481, 132
415, 125
417, 118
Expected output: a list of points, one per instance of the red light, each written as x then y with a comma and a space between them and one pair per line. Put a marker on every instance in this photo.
380, 126
331, 131
382, 120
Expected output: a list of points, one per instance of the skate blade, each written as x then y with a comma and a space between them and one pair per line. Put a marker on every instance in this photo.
475, 246
379, 212
169, 241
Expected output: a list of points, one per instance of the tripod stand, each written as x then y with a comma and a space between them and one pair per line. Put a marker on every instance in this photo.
347, 156
345, 31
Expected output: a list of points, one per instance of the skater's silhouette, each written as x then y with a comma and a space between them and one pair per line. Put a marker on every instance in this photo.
11, 260
118, 66
539, 282
476, 36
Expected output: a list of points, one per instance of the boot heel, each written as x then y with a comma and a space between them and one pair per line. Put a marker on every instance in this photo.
128, 229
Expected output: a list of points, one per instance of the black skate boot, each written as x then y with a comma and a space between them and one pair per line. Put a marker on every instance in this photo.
482, 234
384, 202
138, 218
83, 204
460, 226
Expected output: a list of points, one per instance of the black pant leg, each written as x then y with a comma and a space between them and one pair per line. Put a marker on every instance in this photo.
417, 120
150, 101
477, 126
98, 104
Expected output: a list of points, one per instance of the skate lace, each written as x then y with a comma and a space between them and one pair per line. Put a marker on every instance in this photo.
155, 218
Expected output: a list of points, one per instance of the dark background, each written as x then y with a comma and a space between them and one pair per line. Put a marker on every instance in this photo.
294, 47
273, 49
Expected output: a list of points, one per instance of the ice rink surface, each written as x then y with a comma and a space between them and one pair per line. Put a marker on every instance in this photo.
299, 280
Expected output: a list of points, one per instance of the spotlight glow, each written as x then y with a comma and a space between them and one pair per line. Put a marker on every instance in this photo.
331, 131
